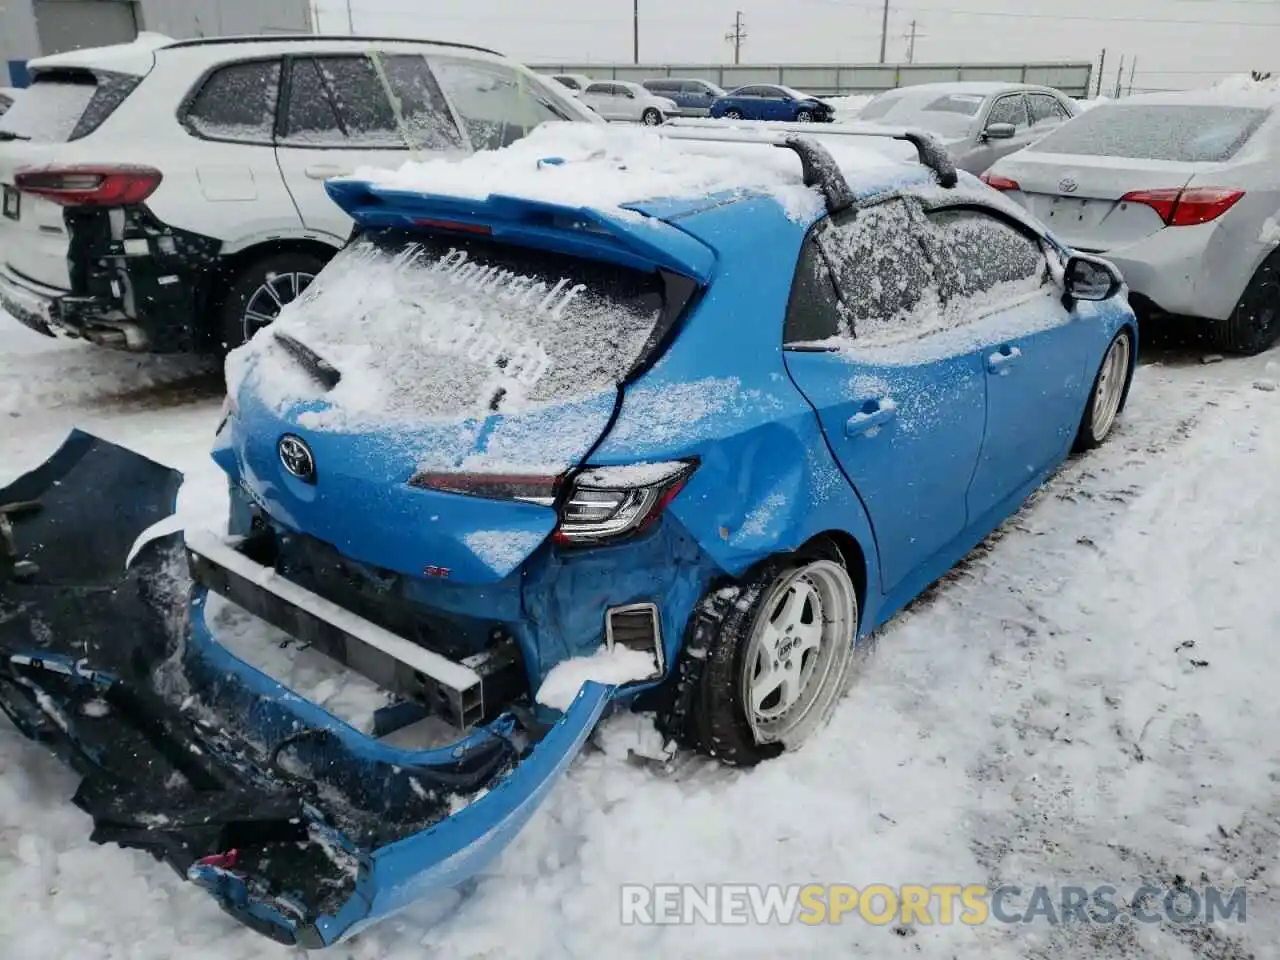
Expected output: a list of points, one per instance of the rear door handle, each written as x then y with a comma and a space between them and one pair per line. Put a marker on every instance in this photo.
874, 413
323, 171
1000, 361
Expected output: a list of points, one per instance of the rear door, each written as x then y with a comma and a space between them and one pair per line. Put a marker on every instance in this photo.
902, 407
337, 116
604, 99
698, 97
1033, 349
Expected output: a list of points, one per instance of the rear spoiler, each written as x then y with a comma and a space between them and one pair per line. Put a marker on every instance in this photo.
642, 243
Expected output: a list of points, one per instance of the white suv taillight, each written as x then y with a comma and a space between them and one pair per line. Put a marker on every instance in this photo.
601, 503
90, 185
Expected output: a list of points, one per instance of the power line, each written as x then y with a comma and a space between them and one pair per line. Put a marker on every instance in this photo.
1011, 15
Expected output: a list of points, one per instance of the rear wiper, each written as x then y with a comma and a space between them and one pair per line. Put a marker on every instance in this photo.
7, 135
321, 370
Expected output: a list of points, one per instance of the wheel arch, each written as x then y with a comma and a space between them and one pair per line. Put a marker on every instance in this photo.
853, 557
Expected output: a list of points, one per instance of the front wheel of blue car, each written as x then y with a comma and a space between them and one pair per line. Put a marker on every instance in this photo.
776, 663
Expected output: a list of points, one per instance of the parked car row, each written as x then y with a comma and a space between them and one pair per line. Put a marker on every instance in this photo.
654, 101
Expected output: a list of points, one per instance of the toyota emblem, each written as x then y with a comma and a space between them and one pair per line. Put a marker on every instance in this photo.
1067, 185
297, 458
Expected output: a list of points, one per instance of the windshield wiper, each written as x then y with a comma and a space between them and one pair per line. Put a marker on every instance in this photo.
7, 135
321, 370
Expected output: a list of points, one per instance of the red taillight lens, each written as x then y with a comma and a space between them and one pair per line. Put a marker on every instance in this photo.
90, 185
997, 182
494, 486
457, 226
1186, 208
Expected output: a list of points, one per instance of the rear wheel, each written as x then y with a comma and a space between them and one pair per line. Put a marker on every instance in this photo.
1254, 325
776, 664
733, 114
1110, 388
651, 117
261, 290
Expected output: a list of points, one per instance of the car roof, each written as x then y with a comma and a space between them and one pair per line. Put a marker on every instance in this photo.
983, 87
138, 56
1258, 96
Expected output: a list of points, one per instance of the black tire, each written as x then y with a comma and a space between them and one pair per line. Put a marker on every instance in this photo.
243, 291
652, 117
733, 114
1086, 437
1254, 324
804, 116
717, 723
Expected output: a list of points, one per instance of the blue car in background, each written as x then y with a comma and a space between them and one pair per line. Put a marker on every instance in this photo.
765, 101
567, 433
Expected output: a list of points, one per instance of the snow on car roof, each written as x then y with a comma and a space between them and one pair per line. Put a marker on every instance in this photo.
608, 168
136, 56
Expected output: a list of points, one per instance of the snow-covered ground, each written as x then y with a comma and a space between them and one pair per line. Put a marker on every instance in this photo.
1089, 700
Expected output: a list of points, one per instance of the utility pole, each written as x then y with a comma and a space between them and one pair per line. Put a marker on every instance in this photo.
884, 30
1102, 69
635, 31
1119, 77
736, 36
351, 23
1133, 68
911, 42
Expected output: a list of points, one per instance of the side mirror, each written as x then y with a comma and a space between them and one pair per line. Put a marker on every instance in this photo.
1090, 278
1000, 131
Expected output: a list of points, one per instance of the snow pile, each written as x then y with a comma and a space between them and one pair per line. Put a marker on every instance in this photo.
848, 108
601, 167
614, 667
1092, 102
1244, 83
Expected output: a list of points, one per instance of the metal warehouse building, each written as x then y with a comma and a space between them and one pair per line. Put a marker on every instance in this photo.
33, 28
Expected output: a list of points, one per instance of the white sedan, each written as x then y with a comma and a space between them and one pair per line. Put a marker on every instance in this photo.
621, 100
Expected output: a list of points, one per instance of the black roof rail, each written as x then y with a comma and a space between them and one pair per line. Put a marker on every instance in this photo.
323, 37
928, 147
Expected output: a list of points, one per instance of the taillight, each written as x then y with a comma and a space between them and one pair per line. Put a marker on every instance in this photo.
602, 503
997, 182
90, 185
1186, 207
610, 502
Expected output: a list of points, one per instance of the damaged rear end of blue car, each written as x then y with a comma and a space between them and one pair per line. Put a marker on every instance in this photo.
500, 460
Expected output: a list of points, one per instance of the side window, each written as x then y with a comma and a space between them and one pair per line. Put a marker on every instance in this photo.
1045, 107
603, 89
989, 252
343, 101
1009, 110
497, 105
883, 273
237, 102
813, 312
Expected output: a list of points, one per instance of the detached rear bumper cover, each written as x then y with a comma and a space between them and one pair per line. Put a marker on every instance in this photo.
212, 766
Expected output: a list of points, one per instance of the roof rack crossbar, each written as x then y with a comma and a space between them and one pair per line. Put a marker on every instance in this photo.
818, 166
929, 148
323, 37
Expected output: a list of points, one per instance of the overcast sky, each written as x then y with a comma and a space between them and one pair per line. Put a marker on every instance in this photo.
1177, 43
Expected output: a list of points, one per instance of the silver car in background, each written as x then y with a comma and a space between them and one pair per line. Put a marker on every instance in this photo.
622, 100
1181, 191
978, 121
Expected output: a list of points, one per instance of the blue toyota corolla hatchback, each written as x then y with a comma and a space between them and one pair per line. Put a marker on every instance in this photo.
596, 419
768, 101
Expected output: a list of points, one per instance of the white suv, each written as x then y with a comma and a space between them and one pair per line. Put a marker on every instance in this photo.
169, 196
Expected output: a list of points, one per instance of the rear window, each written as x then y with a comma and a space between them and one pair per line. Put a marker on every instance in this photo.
423, 327
879, 106
965, 104
1189, 134
62, 105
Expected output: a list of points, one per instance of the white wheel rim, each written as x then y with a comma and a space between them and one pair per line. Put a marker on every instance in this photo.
1110, 389
804, 630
